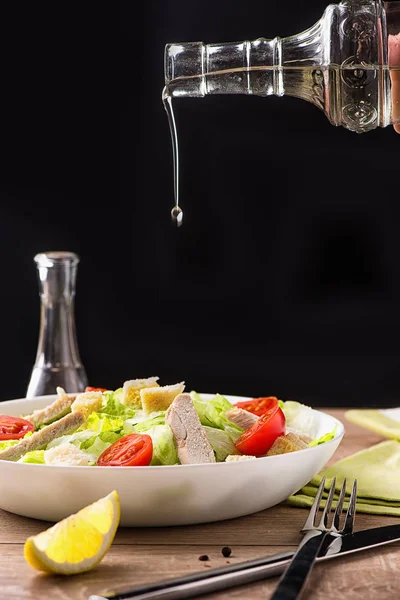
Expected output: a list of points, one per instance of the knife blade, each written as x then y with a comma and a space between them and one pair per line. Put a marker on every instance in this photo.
361, 540
251, 571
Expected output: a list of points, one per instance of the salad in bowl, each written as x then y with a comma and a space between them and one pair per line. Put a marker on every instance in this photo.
145, 424
174, 458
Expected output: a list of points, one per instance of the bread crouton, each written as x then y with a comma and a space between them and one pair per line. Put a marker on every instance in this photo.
286, 443
87, 402
131, 391
303, 436
159, 398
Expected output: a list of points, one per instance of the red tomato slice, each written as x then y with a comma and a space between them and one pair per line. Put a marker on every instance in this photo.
258, 439
133, 450
258, 406
89, 388
14, 428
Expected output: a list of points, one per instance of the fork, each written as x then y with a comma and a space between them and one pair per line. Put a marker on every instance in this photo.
293, 580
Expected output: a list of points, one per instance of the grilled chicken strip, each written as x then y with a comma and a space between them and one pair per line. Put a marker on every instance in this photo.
59, 408
192, 444
40, 439
242, 418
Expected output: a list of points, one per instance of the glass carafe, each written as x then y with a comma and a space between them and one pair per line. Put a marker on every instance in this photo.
347, 64
57, 360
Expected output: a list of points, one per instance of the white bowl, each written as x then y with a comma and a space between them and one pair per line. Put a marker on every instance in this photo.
163, 495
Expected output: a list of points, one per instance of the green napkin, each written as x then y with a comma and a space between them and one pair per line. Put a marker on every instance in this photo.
377, 471
384, 422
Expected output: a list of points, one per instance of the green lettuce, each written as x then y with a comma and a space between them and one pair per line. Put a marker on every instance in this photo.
96, 444
74, 438
88, 440
164, 450
212, 412
112, 405
141, 426
324, 438
7, 444
300, 417
34, 457
100, 422
221, 442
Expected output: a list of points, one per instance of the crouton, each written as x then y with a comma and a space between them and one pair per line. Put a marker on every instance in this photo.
131, 391
159, 398
286, 443
87, 403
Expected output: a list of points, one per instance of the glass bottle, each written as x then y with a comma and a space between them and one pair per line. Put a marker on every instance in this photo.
347, 64
57, 360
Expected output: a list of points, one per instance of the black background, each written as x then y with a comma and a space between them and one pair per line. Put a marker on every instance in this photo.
284, 279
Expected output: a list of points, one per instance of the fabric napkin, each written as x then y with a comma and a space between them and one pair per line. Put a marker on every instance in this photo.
377, 470
384, 422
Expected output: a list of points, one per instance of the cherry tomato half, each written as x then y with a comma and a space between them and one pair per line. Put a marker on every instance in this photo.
258, 406
14, 428
89, 388
258, 439
133, 450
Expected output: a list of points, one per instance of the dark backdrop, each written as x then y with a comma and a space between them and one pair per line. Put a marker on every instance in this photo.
285, 277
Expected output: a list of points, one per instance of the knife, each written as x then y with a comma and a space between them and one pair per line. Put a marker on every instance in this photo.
251, 571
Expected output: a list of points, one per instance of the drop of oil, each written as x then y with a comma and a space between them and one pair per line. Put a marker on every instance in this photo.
177, 215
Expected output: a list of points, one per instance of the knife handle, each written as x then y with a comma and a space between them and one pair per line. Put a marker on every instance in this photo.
293, 580
190, 586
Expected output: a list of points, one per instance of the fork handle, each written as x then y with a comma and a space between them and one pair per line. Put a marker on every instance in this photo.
293, 580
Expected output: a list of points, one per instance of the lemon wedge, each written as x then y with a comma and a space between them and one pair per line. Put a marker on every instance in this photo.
77, 543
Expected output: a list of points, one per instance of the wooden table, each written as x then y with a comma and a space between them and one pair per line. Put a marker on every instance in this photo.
143, 555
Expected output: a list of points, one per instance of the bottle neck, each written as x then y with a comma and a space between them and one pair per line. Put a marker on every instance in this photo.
340, 65
196, 69
57, 336
261, 67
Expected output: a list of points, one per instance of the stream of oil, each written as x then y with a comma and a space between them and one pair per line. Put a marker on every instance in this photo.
176, 212
355, 72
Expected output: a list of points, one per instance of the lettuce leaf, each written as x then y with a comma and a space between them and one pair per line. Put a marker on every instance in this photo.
300, 417
221, 442
164, 450
113, 406
34, 457
96, 444
132, 425
7, 444
324, 438
212, 412
88, 440
100, 422
74, 438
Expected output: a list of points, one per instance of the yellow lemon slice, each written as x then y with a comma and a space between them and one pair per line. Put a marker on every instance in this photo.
77, 543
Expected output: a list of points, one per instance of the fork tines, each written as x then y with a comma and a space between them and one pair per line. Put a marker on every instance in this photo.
323, 523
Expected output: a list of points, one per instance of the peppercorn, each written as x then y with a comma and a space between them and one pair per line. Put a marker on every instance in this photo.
226, 551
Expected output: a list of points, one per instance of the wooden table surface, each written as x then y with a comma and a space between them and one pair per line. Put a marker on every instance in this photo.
141, 555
